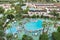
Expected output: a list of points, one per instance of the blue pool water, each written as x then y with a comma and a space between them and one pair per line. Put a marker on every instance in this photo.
29, 26
32, 26
11, 30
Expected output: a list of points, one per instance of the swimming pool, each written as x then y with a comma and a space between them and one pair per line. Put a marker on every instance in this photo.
29, 26
11, 30
32, 26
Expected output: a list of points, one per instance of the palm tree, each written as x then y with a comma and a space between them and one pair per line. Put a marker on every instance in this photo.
26, 10
20, 1
34, 0
10, 16
2, 10
19, 11
9, 36
26, 37
56, 35
48, 1
44, 26
56, 15
43, 37
58, 29
2, 29
49, 24
2, 34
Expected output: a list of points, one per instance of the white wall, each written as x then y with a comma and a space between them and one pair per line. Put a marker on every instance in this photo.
36, 13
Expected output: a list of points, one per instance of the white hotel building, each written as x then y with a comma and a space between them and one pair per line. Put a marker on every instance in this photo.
44, 9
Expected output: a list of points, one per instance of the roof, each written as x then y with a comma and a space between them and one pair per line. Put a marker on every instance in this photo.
57, 4
56, 10
32, 9
44, 5
37, 10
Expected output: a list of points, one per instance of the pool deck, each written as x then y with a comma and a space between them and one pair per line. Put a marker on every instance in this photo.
35, 35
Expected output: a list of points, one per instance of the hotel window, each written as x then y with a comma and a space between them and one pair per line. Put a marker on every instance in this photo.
37, 13
30, 13
42, 13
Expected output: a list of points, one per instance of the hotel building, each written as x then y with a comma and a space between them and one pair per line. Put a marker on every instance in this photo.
44, 9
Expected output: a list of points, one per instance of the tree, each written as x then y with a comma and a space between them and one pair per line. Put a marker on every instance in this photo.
34, 16
10, 16
49, 0
56, 36
56, 15
43, 37
20, 2
1, 35
34, 0
44, 25
9, 36
58, 29
2, 10
49, 24
2, 38
2, 19
19, 11
1, 22
1, 28
10, 11
25, 37
26, 10
18, 8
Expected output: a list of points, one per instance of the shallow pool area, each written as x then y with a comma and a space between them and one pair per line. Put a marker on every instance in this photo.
34, 25
30, 27
11, 30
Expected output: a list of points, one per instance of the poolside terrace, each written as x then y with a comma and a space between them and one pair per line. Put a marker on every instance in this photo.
35, 34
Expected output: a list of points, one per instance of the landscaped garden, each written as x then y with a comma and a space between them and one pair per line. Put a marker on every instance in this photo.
15, 26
